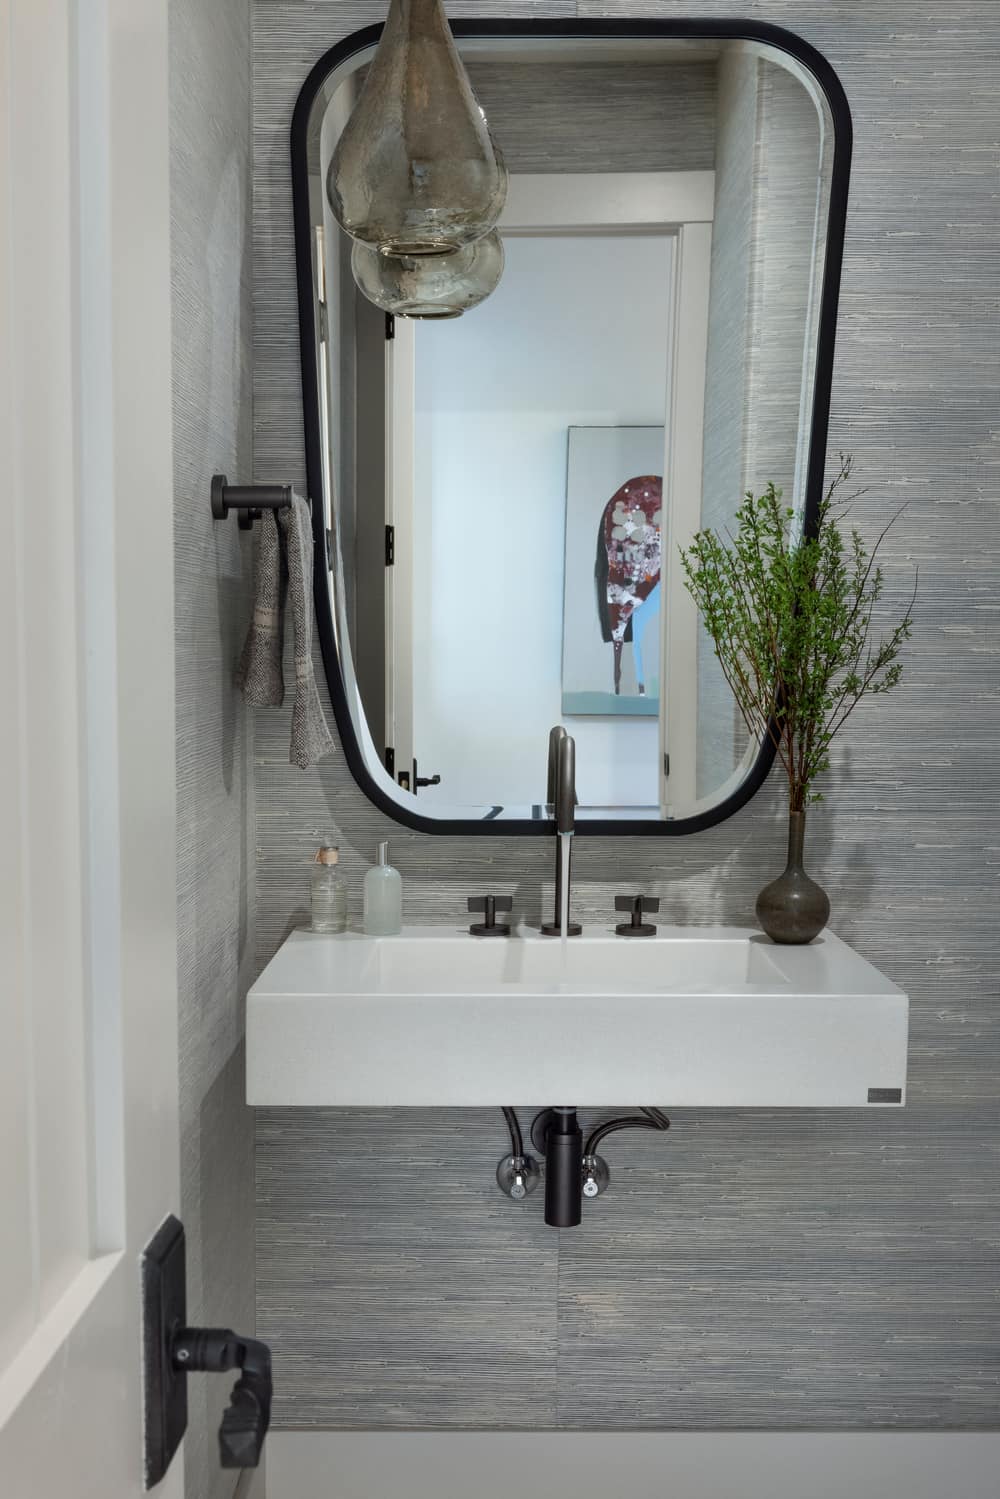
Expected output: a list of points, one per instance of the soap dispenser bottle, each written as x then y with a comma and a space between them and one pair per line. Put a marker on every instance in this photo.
383, 897
328, 893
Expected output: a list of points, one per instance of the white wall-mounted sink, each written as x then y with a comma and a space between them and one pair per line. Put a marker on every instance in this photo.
715, 1017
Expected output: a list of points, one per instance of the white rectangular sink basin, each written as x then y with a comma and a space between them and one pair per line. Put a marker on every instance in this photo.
588, 965
700, 1018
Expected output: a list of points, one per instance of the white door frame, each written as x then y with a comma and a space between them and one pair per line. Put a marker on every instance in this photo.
400, 423
88, 1071
682, 509
681, 204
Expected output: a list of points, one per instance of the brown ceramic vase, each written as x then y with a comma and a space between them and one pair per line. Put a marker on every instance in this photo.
793, 908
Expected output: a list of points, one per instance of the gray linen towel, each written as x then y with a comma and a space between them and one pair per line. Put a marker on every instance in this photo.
283, 571
258, 674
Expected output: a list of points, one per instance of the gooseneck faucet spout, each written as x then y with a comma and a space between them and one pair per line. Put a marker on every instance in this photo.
556, 735
565, 798
561, 798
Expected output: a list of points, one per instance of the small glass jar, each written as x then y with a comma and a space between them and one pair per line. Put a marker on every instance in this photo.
328, 895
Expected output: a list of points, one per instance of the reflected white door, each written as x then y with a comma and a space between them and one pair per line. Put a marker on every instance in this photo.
88, 1056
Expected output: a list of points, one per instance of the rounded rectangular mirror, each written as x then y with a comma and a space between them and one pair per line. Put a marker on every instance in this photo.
500, 499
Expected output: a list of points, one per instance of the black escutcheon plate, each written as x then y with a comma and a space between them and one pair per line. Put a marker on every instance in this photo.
164, 1311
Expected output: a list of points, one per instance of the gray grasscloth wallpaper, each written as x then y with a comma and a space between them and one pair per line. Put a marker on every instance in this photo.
210, 258
770, 1270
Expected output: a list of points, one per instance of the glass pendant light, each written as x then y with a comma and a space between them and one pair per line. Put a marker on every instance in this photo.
416, 171
429, 286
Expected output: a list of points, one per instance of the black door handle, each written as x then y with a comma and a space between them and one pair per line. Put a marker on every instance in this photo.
172, 1350
419, 781
214, 1350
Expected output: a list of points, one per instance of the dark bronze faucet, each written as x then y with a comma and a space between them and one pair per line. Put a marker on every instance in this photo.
561, 798
566, 785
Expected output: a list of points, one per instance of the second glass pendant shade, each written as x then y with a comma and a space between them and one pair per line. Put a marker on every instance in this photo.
416, 171
429, 286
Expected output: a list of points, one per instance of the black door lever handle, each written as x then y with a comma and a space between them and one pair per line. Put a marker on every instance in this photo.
214, 1350
419, 781
172, 1350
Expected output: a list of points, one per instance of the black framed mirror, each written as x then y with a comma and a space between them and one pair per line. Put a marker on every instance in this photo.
499, 500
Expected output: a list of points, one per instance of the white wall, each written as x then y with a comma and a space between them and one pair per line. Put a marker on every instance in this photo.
573, 336
212, 433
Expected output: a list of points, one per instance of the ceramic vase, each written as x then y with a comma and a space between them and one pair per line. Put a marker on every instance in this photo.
793, 908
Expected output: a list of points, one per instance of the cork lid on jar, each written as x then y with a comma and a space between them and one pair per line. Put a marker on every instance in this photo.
327, 854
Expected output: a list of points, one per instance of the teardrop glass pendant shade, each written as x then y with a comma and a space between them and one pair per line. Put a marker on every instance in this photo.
429, 286
416, 171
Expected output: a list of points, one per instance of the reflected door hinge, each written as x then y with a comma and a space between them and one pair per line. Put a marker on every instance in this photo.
390, 326
329, 550
390, 760
666, 765
390, 545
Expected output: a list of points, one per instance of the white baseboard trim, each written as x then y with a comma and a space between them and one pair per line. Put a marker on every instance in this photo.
632, 1465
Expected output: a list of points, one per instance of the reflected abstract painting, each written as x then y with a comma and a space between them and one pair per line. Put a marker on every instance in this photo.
614, 494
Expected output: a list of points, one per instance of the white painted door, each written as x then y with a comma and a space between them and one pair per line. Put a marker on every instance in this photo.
88, 1052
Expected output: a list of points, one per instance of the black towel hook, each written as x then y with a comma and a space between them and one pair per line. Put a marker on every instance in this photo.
249, 500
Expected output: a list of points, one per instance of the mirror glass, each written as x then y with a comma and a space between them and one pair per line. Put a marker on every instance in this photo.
505, 494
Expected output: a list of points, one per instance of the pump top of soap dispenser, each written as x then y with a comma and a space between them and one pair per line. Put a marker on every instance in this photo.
382, 852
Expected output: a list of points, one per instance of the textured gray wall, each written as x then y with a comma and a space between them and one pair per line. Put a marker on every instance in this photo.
664, 114
210, 252
787, 1270
789, 164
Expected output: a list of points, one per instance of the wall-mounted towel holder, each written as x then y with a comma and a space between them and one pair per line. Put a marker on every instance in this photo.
250, 500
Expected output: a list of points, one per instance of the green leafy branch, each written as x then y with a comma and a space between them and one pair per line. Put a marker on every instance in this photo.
793, 621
